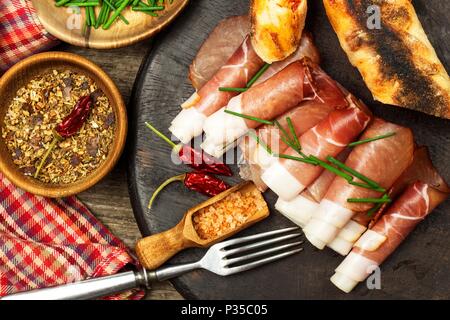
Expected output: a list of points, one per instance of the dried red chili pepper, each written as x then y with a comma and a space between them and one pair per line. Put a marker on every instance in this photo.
75, 120
195, 181
202, 162
197, 160
68, 127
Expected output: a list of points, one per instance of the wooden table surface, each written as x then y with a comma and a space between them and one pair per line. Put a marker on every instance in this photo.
109, 200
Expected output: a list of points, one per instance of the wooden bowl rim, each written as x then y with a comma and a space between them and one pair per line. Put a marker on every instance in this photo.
56, 191
66, 37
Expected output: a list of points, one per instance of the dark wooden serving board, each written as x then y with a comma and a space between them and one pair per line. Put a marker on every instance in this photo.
418, 269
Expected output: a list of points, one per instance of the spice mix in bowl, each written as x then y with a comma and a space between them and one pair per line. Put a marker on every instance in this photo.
63, 124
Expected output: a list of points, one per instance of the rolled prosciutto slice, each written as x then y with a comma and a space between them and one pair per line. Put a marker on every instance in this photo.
302, 207
382, 161
304, 117
301, 80
221, 43
238, 70
287, 178
378, 243
420, 169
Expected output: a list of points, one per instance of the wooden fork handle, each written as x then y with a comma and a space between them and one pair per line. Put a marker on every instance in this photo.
154, 250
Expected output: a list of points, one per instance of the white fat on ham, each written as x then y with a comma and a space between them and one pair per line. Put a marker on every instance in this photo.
370, 241
263, 158
354, 269
343, 243
223, 129
326, 223
282, 182
187, 124
298, 210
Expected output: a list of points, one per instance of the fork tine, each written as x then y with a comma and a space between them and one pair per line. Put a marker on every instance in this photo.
260, 244
262, 253
261, 262
254, 237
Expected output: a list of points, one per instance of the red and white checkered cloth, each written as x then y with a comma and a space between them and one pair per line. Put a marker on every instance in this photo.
21, 33
47, 242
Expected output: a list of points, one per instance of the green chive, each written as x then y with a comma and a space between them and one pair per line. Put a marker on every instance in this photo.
158, 8
61, 3
294, 134
258, 75
260, 142
369, 200
355, 173
237, 114
161, 135
226, 89
115, 15
374, 209
329, 167
366, 186
384, 136
305, 160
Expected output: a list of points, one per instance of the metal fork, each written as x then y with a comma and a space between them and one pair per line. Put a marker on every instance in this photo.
219, 259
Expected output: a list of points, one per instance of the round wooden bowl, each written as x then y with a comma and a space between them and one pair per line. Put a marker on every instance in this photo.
18, 76
66, 24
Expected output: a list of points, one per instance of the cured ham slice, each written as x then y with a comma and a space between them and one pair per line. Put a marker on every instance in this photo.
378, 243
304, 117
382, 161
302, 207
238, 70
256, 157
420, 169
221, 43
299, 81
287, 178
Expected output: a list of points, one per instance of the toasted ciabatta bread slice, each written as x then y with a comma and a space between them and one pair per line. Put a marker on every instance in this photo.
397, 61
277, 27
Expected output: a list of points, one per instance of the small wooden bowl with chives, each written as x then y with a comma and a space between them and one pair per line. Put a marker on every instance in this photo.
106, 24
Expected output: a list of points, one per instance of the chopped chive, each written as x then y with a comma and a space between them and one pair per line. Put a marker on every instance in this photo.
158, 8
226, 89
374, 209
294, 134
115, 14
258, 75
384, 136
260, 142
305, 160
160, 134
329, 167
61, 3
355, 173
366, 186
369, 200
237, 114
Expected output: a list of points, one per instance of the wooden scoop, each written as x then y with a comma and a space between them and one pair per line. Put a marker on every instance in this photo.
154, 250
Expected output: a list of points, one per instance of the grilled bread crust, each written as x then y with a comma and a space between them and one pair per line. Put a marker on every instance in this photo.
277, 27
397, 61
